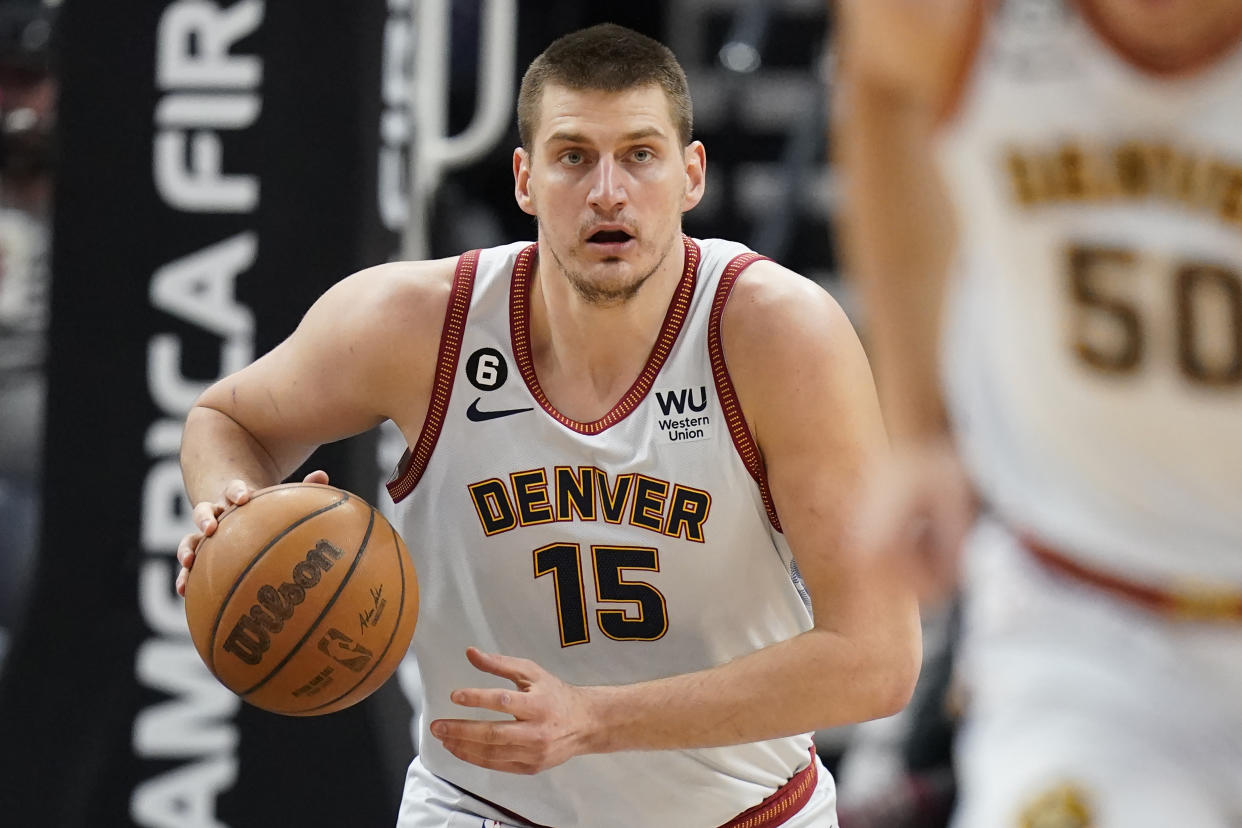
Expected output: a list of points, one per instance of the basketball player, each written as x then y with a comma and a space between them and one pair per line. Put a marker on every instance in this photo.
1077, 167
632, 454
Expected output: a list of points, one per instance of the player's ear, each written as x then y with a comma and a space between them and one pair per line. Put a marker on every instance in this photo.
521, 181
695, 158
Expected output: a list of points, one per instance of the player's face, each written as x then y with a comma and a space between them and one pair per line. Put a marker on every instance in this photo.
608, 179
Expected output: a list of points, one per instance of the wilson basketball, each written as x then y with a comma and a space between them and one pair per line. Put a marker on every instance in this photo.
303, 601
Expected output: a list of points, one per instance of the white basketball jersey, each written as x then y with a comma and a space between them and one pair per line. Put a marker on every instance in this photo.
1094, 346
635, 547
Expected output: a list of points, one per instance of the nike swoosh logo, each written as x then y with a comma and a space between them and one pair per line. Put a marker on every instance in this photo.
477, 416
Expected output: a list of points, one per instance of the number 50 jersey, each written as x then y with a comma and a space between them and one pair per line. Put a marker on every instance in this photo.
631, 548
1094, 347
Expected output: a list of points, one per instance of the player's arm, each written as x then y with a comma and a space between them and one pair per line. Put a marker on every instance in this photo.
806, 388
363, 353
809, 396
899, 65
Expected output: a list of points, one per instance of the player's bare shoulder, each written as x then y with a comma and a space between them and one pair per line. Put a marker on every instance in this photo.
773, 313
789, 346
374, 337
394, 301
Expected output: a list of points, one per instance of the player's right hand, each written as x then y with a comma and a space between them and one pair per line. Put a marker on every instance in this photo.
917, 507
235, 493
912, 49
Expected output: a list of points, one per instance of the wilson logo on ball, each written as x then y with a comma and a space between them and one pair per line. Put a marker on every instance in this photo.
252, 634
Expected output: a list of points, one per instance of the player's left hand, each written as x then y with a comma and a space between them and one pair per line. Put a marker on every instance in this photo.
550, 723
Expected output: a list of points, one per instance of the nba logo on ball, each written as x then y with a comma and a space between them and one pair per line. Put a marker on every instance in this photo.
303, 601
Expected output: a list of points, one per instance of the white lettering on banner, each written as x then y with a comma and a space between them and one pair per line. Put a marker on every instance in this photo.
192, 46
208, 90
185, 796
221, 111
194, 41
164, 509
163, 438
395, 127
202, 187
162, 608
194, 722
199, 288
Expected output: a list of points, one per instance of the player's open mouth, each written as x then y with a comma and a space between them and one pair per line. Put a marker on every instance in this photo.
609, 237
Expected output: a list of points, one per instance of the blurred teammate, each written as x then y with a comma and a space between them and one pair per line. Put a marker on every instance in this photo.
1078, 168
627, 494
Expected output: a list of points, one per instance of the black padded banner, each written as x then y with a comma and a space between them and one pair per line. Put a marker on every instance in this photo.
220, 166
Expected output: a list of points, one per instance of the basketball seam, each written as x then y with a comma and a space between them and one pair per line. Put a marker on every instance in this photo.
215, 627
396, 627
366, 538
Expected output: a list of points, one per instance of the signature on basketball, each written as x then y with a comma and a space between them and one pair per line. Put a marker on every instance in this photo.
372, 616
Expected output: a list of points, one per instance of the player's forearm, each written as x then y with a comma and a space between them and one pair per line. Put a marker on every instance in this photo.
215, 449
897, 233
814, 681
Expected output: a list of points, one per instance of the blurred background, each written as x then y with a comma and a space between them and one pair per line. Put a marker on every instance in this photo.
215, 168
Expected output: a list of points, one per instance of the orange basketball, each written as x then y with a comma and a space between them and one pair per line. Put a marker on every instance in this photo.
303, 601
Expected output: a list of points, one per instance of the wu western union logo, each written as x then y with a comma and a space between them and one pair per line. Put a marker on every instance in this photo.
532, 498
680, 401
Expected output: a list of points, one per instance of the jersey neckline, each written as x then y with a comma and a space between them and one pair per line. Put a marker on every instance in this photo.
519, 329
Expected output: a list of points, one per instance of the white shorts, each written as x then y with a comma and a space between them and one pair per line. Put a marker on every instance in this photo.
1083, 707
430, 802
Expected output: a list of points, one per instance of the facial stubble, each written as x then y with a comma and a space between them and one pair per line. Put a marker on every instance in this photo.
604, 295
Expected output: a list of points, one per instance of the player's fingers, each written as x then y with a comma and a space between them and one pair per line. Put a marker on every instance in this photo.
939, 547
317, 476
204, 516
181, 581
520, 671
187, 547
888, 516
954, 513
488, 756
478, 732
514, 747
237, 492
512, 702
935, 575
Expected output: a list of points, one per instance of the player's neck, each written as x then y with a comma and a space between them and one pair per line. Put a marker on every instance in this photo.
1167, 38
587, 355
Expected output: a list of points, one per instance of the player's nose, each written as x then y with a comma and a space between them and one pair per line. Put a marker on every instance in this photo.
608, 188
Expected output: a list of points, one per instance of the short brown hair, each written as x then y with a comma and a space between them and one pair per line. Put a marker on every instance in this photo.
608, 58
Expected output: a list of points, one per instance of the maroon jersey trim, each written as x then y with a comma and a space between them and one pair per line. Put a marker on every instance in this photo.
743, 441
1204, 604
772, 812
414, 462
788, 800
519, 325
